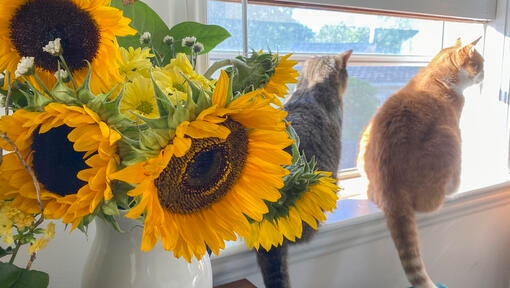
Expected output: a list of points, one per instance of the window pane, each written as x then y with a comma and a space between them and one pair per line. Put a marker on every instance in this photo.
368, 88
299, 30
229, 16
375, 39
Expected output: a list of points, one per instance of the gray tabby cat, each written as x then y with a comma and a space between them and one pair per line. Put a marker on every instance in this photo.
315, 112
411, 149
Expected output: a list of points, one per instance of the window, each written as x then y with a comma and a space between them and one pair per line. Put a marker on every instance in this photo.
388, 51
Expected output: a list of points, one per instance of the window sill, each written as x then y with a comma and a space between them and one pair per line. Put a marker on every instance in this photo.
356, 221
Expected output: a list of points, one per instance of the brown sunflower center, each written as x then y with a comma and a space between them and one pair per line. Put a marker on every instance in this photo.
55, 162
205, 174
36, 23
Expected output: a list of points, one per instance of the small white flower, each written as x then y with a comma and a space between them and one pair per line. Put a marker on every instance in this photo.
63, 75
53, 47
189, 41
25, 67
197, 47
168, 40
145, 38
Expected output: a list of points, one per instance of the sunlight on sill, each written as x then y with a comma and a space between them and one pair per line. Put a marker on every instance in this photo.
353, 207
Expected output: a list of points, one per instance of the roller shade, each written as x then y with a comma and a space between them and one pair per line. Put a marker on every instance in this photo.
456, 9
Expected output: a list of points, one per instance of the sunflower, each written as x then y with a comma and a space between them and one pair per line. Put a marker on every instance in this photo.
71, 152
309, 208
139, 99
218, 170
284, 74
87, 29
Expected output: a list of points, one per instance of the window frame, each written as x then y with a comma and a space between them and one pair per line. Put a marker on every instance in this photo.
353, 174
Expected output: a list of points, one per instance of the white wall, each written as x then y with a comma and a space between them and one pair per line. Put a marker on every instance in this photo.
465, 244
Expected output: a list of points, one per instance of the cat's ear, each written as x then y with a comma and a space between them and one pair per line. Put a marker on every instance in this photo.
476, 41
342, 58
458, 42
470, 48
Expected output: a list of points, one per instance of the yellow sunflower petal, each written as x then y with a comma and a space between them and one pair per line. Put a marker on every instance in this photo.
58, 204
92, 22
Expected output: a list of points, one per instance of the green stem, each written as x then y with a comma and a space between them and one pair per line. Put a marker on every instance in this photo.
68, 71
220, 64
157, 56
46, 90
15, 252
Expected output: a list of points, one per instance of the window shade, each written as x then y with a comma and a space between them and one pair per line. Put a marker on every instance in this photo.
456, 9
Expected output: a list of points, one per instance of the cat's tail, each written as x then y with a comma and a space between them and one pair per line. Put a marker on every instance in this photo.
402, 225
273, 266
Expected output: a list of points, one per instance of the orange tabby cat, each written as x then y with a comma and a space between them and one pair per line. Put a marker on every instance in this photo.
411, 149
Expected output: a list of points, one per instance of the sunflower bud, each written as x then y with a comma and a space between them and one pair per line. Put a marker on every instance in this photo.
253, 72
154, 139
62, 93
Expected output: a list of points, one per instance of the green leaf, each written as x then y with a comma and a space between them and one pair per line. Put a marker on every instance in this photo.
110, 208
208, 35
6, 251
12, 276
144, 19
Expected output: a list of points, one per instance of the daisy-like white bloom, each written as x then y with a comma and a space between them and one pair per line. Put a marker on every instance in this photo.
168, 40
53, 47
63, 75
218, 170
188, 41
197, 48
145, 38
88, 31
25, 67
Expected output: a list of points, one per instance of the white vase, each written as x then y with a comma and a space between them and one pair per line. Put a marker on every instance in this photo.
116, 261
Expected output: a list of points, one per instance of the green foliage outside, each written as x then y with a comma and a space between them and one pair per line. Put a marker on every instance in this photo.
274, 28
360, 103
342, 33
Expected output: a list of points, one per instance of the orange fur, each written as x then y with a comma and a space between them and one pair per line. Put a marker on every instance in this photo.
411, 149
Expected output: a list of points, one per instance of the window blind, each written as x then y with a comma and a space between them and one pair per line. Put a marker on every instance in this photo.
477, 10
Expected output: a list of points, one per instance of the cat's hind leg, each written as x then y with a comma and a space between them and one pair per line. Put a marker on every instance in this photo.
273, 266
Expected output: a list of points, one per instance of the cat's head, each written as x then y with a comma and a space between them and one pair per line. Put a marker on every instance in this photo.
464, 61
324, 69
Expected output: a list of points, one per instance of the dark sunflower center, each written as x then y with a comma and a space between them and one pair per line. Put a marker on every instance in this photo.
55, 162
36, 23
205, 174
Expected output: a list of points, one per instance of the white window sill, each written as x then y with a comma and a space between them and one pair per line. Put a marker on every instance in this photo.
354, 222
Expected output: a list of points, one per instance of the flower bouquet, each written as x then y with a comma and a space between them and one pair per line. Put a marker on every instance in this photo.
105, 113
